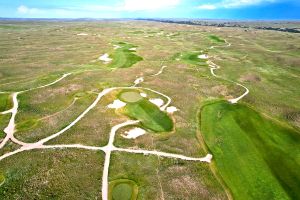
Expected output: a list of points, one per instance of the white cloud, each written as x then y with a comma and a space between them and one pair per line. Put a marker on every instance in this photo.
144, 5
25, 10
207, 7
233, 4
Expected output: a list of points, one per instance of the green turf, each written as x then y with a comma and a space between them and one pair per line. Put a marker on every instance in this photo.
5, 102
216, 39
150, 115
257, 157
122, 189
123, 57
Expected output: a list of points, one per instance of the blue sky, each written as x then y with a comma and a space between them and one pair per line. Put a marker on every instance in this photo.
209, 9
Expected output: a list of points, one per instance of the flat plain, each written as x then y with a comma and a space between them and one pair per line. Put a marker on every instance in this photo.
148, 110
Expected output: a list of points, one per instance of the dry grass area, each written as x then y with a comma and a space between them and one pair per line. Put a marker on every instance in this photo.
37, 53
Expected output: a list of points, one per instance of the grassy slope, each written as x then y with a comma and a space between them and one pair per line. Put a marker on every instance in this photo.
150, 116
256, 157
123, 57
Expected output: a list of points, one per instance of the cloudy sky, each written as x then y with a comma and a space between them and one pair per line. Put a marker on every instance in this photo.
214, 9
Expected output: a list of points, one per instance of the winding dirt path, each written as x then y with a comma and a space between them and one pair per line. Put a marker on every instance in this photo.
214, 67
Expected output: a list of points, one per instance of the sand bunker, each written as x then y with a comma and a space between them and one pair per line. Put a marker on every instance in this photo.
105, 57
139, 80
143, 94
132, 49
203, 56
157, 101
171, 109
117, 104
133, 133
116, 47
82, 34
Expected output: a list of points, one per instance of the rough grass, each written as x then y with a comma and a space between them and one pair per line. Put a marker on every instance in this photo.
257, 158
150, 115
122, 189
5, 102
123, 57
215, 38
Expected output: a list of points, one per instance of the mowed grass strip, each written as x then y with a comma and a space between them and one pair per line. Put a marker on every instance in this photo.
123, 57
150, 116
215, 38
122, 189
257, 157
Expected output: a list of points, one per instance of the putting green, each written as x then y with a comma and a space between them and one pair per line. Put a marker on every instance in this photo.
122, 189
130, 96
257, 157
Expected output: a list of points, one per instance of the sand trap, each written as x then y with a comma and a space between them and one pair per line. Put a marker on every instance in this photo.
105, 57
82, 34
133, 133
171, 109
203, 56
117, 104
143, 94
139, 80
132, 49
158, 102
116, 47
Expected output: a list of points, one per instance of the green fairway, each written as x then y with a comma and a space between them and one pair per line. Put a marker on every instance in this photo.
122, 189
192, 58
150, 115
256, 157
215, 38
124, 56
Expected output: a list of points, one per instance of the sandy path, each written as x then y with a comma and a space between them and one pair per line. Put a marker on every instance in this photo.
108, 149
207, 158
160, 71
214, 66
10, 129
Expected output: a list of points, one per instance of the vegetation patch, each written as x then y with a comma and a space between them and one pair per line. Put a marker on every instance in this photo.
216, 39
257, 157
2, 179
150, 115
124, 56
5, 102
122, 189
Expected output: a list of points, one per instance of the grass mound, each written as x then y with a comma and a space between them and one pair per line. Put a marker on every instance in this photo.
256, 157
122, 189
150, 115
216, 39
124, 57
